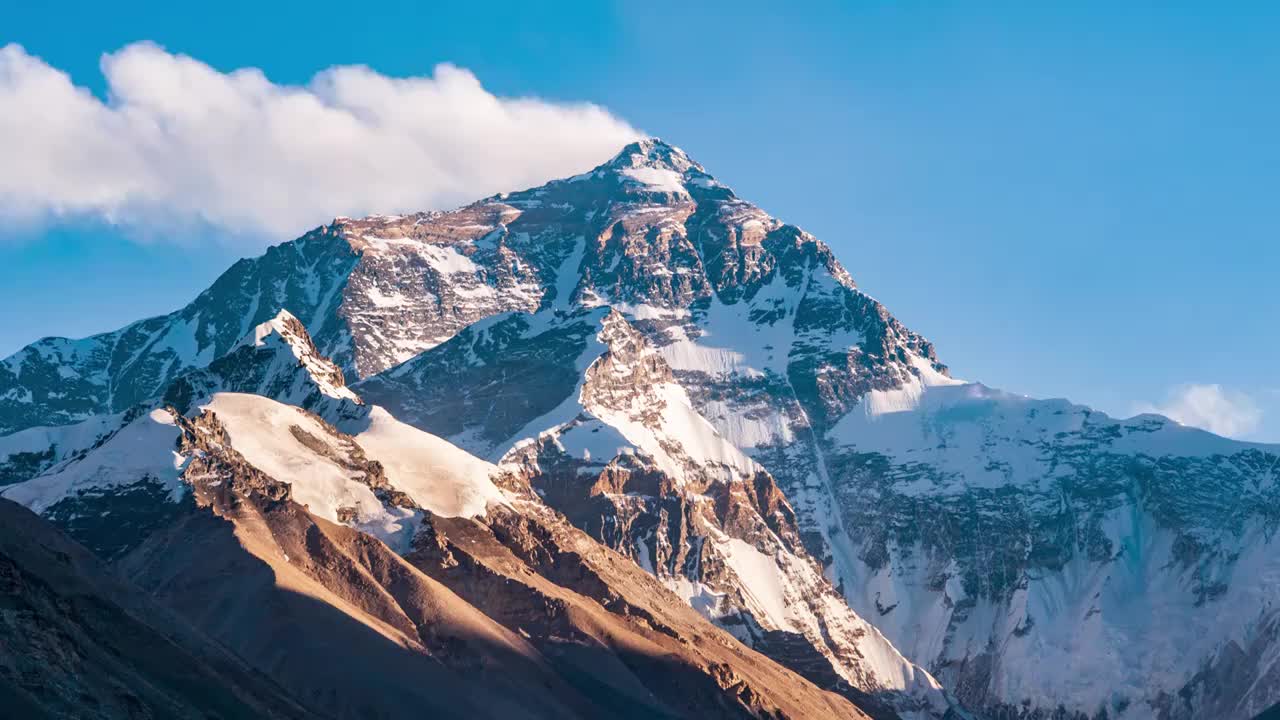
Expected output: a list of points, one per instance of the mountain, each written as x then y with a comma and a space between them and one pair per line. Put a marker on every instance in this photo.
373, 293
674, 375
78, 641
417, 281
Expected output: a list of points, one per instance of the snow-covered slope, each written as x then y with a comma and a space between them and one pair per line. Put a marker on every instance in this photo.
27, 453
355, 478
139, 450
436, 474
996, 535
327, 473
111, 491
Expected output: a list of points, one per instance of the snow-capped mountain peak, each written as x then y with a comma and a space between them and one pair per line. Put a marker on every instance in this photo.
651, 166
284, 326
652, 153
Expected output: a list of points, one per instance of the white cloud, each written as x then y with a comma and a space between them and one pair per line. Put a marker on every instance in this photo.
178, 142
1210, 407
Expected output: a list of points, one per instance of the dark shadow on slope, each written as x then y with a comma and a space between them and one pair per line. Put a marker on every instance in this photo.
75, 641
482, 364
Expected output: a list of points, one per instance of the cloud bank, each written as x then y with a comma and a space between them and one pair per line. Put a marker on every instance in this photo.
179, 143
1210, 407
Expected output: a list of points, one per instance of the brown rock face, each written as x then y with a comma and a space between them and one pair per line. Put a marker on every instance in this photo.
589, 609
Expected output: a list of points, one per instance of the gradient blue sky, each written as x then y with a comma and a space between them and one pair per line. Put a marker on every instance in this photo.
1073, 201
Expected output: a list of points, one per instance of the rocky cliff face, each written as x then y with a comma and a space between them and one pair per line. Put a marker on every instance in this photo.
677, 372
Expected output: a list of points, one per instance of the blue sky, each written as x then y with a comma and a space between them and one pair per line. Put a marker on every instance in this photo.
1070, 202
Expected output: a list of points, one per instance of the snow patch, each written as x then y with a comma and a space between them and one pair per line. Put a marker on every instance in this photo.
657, 179
759, 576
438, 475
446, 259
260, 430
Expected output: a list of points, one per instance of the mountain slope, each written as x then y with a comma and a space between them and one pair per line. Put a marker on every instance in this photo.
57, 381
75, 640
294, 594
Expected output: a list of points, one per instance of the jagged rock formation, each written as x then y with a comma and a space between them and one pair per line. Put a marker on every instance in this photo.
267, 363
746, 390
